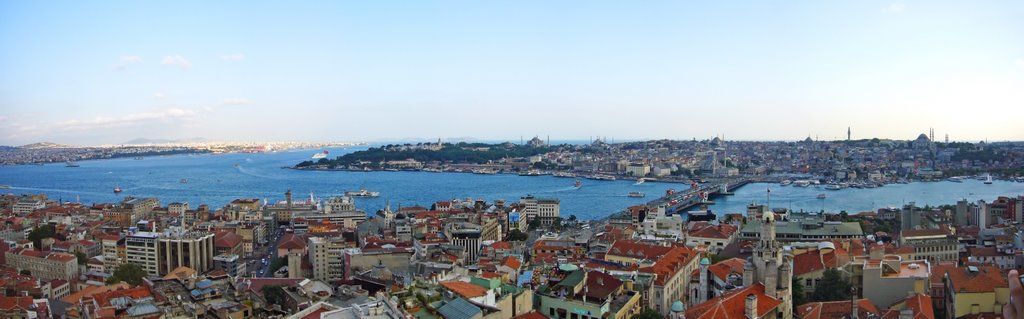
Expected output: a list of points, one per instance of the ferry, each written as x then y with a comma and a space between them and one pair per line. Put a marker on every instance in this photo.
117, 189
320, 155
956, 179
636, 194
833, 187
822, 196
602, 177
362, 193
988, 179
531, 172
564, 174
802, 183
71, 164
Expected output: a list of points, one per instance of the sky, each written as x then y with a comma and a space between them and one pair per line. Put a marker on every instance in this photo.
99, 72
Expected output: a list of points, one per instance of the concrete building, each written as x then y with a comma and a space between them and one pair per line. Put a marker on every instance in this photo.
327, 256
804, 227
975, 291
933, 245
589, 294
231, 264
141, 249
544, 209
177, 208
27, 205
887, 279
467, 236
179, 248
42, 264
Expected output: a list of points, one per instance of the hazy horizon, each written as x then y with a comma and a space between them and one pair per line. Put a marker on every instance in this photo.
90, 73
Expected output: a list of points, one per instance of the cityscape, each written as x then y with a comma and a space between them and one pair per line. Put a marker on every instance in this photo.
529, 160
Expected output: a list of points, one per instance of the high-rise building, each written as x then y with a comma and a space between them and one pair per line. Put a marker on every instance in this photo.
327, 256
465, 235
546, 210
141, 249
229, 263
160, 253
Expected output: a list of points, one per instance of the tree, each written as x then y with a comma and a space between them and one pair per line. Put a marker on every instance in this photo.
572, 218
715, 258
517, 235
130, 273
82, 258
798, 292
273, 294
39, 233
648, 313
276, 263
534, 224
832, 287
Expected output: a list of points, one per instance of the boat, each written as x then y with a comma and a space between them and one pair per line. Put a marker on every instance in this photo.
785, 183
822, 196
988, 179
138, 158
578, 183
564, 174
184, 181
602, 177
636, 194
802, 183
531, 172
117, 189
833, 187
5, 186
956, 179
639, 181
362, 193
71, 164
320, 155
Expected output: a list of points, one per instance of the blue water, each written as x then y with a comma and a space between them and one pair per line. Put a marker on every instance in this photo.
216, 180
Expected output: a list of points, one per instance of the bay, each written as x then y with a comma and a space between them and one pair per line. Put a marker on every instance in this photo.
218, 179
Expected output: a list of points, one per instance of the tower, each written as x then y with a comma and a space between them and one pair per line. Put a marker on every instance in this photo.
947, 138
294, 265
848, 133
702, 293
931, 134
769, 266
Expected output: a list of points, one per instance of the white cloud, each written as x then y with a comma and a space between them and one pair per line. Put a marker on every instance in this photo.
127, 60
159, 96
176, 60
34, 129
233, 57
894, 8
101, 122
236, 101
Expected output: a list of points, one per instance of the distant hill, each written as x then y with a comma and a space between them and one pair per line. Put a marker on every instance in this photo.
44, 145
163, 141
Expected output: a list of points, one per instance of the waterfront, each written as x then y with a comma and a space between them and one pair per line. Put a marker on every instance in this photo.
217, 179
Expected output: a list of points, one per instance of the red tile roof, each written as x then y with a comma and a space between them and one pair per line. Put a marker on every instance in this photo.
732, 305
15, 303
920, 304
511, 262
637, 250
986, 279
226, 240
670, 263
836, 309
465, 289
723, 268
292, 241
600, 285
721, 231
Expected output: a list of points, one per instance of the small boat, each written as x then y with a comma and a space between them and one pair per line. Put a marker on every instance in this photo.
956, 179
362, 193
822, 196
833, 187
988, 179
636, 194
138, 158
639, 181
183, 181
531, 172
578, 183
320, 155
5, 186
71, 164
564, 174
785, 183
117, 189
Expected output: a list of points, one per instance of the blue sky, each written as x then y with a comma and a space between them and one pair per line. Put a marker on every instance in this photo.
106, 72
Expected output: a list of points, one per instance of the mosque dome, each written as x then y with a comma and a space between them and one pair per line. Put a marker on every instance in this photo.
677, 306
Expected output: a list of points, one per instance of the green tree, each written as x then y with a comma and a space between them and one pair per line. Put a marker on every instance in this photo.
798, 292
517, 235
572, 218
273, 294
715, 258
39, 233
648, 314
276, 263
82, 258
832, 287
534, 224
129, 273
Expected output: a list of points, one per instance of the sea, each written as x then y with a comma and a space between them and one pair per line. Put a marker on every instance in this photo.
217, 179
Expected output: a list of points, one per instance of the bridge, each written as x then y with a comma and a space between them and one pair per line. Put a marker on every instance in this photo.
698, 194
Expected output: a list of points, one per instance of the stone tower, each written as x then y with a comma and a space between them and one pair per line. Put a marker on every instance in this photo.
294, 265
703, 287
770, 266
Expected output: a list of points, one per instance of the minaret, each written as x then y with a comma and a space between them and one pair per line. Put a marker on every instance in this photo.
847, 133
702, 294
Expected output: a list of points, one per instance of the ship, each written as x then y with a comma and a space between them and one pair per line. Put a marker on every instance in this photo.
956, 179
320, 155
636, 194
71, 164
362, 193
988, 179
117, 189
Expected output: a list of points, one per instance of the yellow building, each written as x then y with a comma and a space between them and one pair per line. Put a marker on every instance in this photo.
974, 290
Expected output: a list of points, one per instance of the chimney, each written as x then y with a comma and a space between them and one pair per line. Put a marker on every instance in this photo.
750, 306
